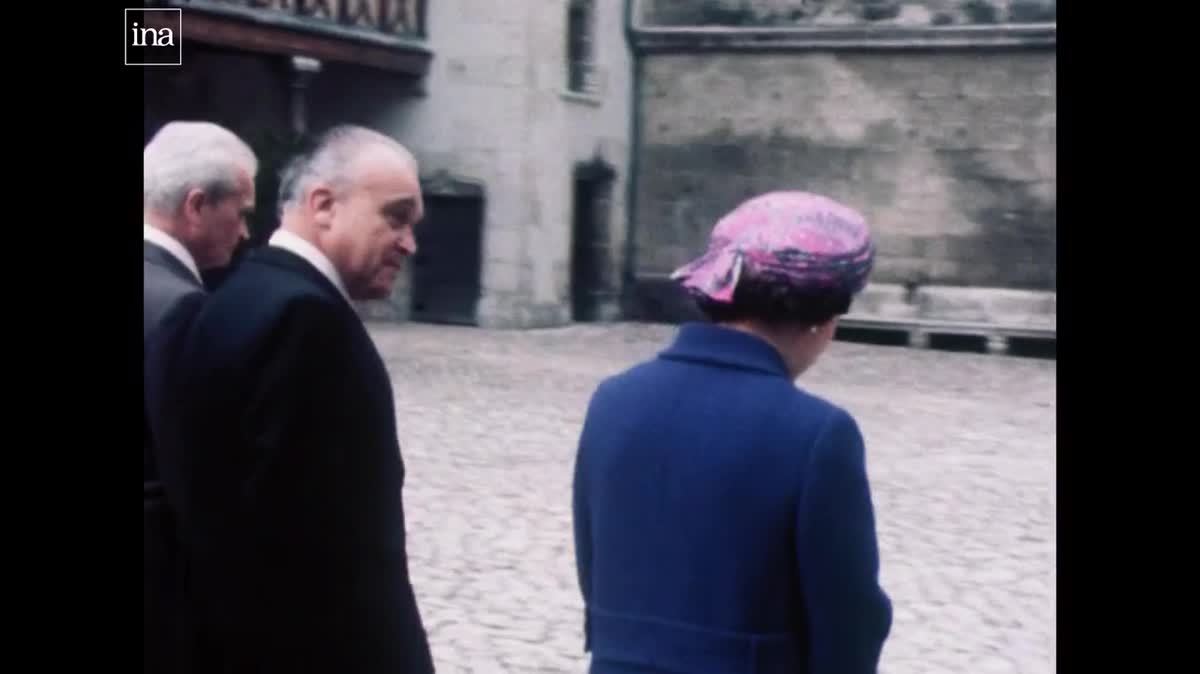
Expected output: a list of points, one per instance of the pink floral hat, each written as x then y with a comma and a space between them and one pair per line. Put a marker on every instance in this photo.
803, 240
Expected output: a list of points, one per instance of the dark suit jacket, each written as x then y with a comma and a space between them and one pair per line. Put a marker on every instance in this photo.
291, 480
169, 292
723, 520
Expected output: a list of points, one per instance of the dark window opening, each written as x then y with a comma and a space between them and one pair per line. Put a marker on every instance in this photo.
580, 56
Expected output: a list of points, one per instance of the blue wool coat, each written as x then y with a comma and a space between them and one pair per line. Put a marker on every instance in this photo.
723, 519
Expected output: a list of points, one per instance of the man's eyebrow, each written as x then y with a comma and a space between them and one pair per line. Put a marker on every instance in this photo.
400, 205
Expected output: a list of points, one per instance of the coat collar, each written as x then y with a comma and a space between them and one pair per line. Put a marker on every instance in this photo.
283, 258
161, 257
287, 240
179, 255
718, 345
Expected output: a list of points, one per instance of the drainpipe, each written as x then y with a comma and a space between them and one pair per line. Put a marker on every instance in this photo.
632, 27
303, 70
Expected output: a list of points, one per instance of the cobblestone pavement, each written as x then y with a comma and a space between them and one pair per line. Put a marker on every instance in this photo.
960, 455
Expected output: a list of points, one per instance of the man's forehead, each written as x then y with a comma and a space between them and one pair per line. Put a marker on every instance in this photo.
380, 156
392, 181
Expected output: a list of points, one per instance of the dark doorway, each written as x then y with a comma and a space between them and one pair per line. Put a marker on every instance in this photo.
591, 250
446, 268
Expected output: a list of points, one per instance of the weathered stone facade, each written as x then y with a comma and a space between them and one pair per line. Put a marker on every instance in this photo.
936, 118
951, 156
950, 153
847, 12
496, 110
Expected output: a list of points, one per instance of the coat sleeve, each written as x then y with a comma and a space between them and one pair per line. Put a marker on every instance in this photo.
848, 614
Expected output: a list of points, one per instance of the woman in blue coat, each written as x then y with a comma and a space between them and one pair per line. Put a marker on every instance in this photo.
723, 517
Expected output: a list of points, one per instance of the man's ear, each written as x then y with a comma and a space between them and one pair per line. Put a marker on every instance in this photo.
194, 202
321, 204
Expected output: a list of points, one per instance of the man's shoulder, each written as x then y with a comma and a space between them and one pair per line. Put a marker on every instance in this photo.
156, 276
161, 292
261, 298
279, 275
258, 280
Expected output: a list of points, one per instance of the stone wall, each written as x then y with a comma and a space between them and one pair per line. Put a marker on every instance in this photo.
495, 111
950, 154
847, 12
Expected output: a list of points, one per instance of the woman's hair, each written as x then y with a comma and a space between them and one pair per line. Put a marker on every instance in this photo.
776, 303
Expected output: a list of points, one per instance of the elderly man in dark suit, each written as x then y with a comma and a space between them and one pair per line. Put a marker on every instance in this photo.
294, 522
198, 185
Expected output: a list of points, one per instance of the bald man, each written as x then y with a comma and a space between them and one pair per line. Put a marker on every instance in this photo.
293, 492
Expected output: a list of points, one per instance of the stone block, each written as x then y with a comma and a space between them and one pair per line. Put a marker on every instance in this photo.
496, 310
1034, 276
941, 248
895, 245
544, 315
997, 306
502, 277
884, 300
885, 135
948, 271
1019, 165
504, 245
957, 134
901, 270
509, 311
1002, 306
1006, 135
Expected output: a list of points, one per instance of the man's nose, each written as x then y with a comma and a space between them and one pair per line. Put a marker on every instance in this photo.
244, 231
407, 243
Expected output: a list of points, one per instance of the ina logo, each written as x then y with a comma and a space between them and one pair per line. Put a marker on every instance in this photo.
153, 37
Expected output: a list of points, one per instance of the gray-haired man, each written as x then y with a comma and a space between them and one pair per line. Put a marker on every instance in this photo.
197, 189
198, 186
293, 490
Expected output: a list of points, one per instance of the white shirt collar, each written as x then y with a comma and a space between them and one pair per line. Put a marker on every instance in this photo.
171, 245
282, 238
